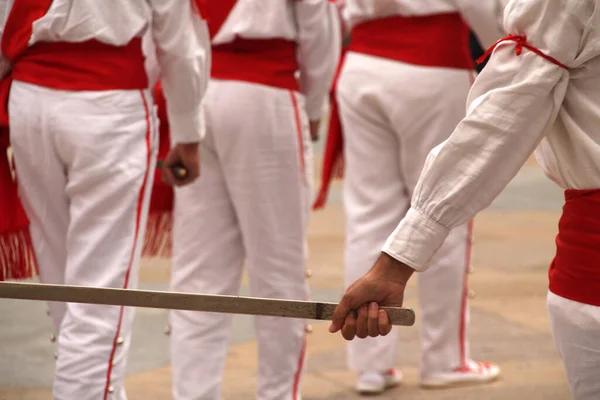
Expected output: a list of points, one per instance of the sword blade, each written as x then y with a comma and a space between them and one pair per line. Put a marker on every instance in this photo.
186, 301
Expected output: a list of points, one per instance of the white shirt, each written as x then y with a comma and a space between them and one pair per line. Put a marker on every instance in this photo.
516, 103
313, 24
179, 34
483, 16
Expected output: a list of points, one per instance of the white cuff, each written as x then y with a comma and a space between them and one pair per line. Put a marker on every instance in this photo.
315, 109
416, 240
187, 128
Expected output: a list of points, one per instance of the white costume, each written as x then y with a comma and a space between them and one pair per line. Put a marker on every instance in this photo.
252, 201
401, 92
540, 89
83, 133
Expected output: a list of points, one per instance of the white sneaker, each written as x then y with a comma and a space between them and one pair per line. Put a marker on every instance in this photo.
372, 383
473, 373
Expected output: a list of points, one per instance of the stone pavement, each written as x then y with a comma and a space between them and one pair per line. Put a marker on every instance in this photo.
513, 247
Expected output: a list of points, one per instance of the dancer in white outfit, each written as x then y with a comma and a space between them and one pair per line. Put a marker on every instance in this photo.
253, 199
402, 91
83, 134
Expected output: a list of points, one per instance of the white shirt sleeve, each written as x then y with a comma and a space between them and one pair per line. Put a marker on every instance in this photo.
183, 53
512, 104
319, 51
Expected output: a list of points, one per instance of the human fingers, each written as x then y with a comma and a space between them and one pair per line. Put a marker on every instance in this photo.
187, 170
373, 319
383, 322
338, 168
349, 328
341, 311
362, 328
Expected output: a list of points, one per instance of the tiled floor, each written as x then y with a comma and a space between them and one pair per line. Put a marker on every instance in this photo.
513, 246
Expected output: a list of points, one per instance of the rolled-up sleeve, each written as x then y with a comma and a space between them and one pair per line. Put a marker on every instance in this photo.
512, 104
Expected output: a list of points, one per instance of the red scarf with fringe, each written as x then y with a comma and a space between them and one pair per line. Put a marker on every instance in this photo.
159, 228
334, 147
17, 257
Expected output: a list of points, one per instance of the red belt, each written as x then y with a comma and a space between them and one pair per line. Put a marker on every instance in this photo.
575, 271
440, 40
89, 65
271, 62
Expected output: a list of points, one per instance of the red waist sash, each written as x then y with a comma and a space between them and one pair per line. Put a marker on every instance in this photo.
440, 40
271, 62
89, 65
575, 271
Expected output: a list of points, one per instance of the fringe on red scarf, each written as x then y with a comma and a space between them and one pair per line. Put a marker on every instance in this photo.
334, 148
159, 229
17, 256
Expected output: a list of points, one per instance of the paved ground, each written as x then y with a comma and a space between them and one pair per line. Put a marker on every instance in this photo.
514, 244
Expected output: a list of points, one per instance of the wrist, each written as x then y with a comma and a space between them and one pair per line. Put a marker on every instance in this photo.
397, 270
189, 146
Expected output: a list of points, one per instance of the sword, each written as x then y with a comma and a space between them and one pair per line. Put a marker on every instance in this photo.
186, 301
178, 169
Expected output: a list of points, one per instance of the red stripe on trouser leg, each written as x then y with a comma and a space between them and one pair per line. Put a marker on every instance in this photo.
463, 306
298, 129
138, 218
298, 375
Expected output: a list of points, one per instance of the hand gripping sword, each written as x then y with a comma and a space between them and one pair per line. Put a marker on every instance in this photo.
186, 301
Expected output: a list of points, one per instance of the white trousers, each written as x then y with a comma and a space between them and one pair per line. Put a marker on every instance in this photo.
393, 114
576, 330
251, 204
85, 163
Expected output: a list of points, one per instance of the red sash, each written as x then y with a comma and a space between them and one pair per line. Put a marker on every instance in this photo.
270, 62
89, 65
575, 271
440, 40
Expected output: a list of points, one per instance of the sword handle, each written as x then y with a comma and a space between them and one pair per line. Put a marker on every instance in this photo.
179, 170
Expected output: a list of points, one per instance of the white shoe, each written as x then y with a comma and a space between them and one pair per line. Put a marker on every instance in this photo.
473, 373
371, 383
